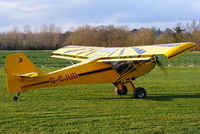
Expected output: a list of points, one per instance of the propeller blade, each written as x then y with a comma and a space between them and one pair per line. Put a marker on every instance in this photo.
160, 64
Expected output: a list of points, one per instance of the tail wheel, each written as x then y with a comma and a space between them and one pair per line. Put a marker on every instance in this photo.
140, 92
15, 98
122, 91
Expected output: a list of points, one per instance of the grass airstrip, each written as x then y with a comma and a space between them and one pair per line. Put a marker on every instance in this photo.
172, 104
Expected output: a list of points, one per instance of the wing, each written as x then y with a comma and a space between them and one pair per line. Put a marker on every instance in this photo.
79, 53
140, 52
82, 53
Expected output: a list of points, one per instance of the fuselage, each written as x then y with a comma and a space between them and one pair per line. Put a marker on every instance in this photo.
90, 73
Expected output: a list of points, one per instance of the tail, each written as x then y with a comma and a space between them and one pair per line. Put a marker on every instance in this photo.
19, 69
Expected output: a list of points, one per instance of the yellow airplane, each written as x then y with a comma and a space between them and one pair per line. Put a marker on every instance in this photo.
118, 65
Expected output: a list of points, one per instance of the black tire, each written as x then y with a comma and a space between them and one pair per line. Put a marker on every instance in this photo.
124, 90
140, 93
15, 98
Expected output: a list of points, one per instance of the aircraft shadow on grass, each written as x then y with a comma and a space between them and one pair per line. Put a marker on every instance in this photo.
171, 97
158, 97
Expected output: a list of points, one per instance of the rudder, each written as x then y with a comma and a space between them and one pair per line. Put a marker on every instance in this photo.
18, 66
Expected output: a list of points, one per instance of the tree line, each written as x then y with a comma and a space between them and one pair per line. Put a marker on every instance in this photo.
51, 37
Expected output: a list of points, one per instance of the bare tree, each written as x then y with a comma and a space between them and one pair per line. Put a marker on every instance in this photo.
50, 36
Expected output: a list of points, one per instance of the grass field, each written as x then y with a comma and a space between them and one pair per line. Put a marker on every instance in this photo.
171, 106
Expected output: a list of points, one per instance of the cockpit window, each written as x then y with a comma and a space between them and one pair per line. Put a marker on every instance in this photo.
123, 66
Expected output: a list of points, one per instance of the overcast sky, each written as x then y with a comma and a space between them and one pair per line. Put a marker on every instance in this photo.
69, 14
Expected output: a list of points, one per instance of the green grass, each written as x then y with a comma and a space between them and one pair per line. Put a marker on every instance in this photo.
171, 106
40, 58
188, 59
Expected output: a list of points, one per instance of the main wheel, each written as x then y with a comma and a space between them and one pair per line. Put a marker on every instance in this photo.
123, 91
140, 92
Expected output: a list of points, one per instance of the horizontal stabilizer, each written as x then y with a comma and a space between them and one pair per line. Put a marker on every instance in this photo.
29, 75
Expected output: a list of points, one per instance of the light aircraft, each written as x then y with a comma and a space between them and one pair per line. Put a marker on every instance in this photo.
117, 65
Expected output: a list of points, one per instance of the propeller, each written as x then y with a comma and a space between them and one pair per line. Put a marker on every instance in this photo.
160, 64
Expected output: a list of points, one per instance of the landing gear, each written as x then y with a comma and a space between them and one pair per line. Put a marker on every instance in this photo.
139, 92
122, 91
15, 98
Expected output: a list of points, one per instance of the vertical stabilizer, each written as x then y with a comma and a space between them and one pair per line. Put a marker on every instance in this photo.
18, 68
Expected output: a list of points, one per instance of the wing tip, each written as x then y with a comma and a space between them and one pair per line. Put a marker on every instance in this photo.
179, 50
